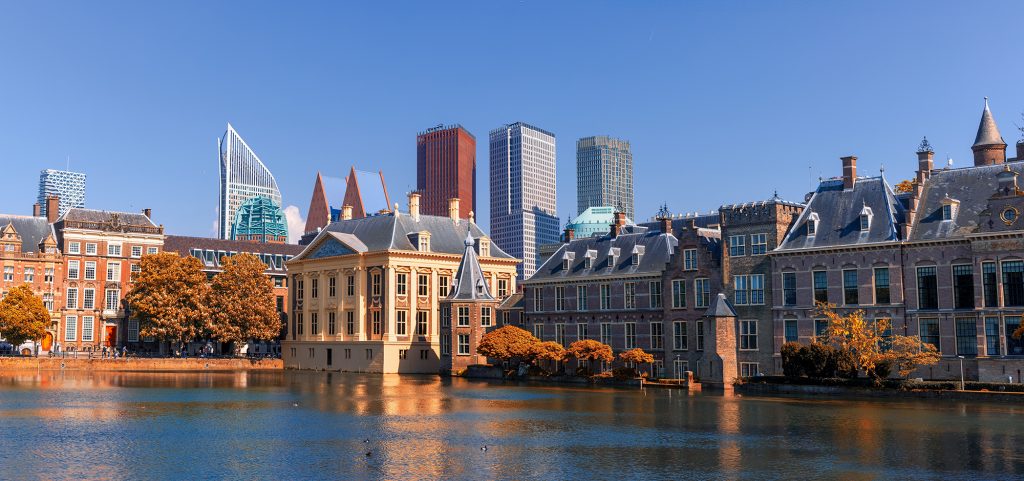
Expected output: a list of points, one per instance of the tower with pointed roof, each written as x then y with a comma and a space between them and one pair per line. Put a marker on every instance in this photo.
319, 214
989, 147
466, 313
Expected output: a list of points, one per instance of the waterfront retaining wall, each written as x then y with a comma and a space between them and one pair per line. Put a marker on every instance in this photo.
766, 389
137, 364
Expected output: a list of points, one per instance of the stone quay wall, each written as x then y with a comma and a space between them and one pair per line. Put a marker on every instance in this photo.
137, 364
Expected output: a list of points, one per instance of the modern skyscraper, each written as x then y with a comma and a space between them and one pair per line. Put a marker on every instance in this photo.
604, 174
446, 169
523, 196
69, 187
242, 177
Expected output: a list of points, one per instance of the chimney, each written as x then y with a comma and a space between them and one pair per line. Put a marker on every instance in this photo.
666, 224
52, 208
1007, 181
148, 213
346, 212
849, 172
1020, 150
570, 234
620, 222
925, 161
453, 209
414, 206
37, 210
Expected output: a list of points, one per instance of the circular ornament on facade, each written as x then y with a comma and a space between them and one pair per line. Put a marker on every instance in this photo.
1009, 215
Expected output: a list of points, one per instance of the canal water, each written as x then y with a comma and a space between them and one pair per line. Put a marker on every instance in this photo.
291, 425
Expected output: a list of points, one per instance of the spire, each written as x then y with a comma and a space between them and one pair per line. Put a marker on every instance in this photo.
988, 133
469, 283
319, 214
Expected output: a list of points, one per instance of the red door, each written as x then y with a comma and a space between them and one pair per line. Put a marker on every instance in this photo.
111, 336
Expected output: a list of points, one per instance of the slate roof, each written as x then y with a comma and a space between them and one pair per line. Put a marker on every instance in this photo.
515, 301
184, 244
657, 249
988, 132
92, 215
720, 307
838, 213
971, 186
383, 232
679, 223
469, 283
33, 230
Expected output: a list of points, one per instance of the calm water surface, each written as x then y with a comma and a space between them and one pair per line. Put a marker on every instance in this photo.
288, 425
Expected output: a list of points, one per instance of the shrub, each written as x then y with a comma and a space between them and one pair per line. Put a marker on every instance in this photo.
846, 363
792, 361
883, 369
623, 373
820, 360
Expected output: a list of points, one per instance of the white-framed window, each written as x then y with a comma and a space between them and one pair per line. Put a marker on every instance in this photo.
582, 331
655, 294
538, 331
401, 322
749, 369
74, 248
151, 250
737, 246
629, 295
9, 273
581, 298
559, 298
421, 323
350, 286
314, 287
560, 334
375, 284
758, 244
88, 299
538, 299
113, 271
756, 289
446, 344
678, 293
749, 289
485, 316
657, 336
133, 330
680, 367
630, 335
73, 269
72, 298
30, 274
442, 286
606, 297
48, 301
71, 328
741, 288
679, 340
136, 251
502, 287
90, 249
702, 292
463, 344
113, 250
314, 323
463, 316
48, 275
606, 333
422, 285
87, 328
90, 270
690, 259
137, 269
748, 335
401, 284
635, 259
700, 335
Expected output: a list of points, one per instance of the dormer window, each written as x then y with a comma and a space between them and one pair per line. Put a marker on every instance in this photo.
567, 259
949, 206
613, 255
565, 264
947, 212
588, 262
812, 224
637, 252
635, 259
865, 219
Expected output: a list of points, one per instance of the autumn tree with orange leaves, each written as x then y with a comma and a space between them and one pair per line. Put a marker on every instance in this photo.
871, 345
904, 186
169, 297
507, 343
586, 351
23, 316
637, 356
242, 305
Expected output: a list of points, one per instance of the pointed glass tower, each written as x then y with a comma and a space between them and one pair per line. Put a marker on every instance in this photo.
242, 177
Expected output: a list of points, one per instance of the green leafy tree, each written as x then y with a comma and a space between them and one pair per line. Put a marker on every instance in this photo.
242, 304
23, 316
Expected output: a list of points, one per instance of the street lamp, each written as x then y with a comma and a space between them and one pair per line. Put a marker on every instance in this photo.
961, 372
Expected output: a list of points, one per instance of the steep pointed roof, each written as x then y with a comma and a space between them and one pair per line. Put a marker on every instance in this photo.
720, 307
319, 214
469, 283
988, 133
366, 192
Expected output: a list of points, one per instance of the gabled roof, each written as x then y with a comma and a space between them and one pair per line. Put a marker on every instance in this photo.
33, 230
838, 212
720, 307
971, 187
366, 193
319, 214
657, 251
469, 283
988, 132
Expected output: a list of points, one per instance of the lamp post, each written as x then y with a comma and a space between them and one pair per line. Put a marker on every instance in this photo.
961, 372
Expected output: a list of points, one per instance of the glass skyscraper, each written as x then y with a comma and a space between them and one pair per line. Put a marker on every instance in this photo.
242, 177
523, 196
69, 187
604, 174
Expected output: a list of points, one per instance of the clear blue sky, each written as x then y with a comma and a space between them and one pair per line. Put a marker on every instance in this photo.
723, 102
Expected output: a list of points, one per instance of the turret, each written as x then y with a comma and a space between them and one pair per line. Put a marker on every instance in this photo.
989, 147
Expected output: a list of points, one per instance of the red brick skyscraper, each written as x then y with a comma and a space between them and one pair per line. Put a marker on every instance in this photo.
446, 168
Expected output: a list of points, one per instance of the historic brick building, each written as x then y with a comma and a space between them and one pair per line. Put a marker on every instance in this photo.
29, 256
466, 314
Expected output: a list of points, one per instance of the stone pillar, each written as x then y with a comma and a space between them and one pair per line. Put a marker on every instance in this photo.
387, 303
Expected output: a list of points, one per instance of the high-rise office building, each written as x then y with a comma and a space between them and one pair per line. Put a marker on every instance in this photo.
604, 174
242, 177
446, 169
69, 187
523, 197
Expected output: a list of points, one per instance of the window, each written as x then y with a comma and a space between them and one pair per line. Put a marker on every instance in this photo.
401, 283
114, 250
151, 250
588, 262
403, 353
560, 334
332, 323
463, 316
90, 249
700, 335
850, 294
737, 246
630, 335
348, 353
757, 289
789, 288
48, 275
690, 259
966, 336
446, 316
400, 323
930, 332
72, 270
9, 273
992, 336
30, 274
71, 328
135, 271
421, 323
581, 298
74, 248
350, 288
680, 367
133, 330
963, 286
446, 344
559, 298
791, 331
299, 289
538, 299
988, 281
758, 244
375, 283
812, 226
314, 288
820, 286
655, 289
606, 297
332, 286
1014, 346
947, 212
927, 288
865, 222
702, 292
422, 285
820, 328
635, 259
606, 333
485, 316
742, 289
442, 286
48, 301
463, 344
1013, 283
538, 331
136, 251
350, 323
629, 295
657, 342
582, 331
565, 264
375, 323
113, 299
678, 293
88, 298
679, 335
748, 335
72, 298
114, 271
87, 328
882, 295
502, 287
505, 315
300, 326
749, 369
